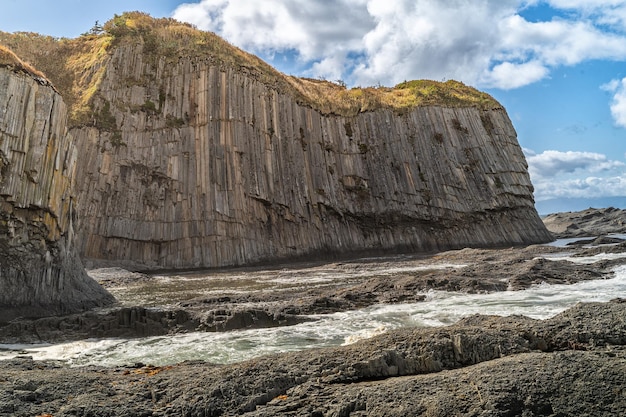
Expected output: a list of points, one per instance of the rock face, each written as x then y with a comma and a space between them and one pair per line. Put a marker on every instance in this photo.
196, 154
40, 272
207, 166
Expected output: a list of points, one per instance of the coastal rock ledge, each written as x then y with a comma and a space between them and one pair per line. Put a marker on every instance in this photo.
573, 364
40, 271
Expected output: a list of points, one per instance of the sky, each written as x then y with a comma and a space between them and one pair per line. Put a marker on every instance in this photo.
557, 66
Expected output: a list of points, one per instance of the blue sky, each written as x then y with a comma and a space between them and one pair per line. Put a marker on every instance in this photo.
558, 66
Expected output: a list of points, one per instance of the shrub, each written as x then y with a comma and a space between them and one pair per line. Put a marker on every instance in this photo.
487, 123
149, 107
348, 127
458, 126
174, 122
116, 139
104, 119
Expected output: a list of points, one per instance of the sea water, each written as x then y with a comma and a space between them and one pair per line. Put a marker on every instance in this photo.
440, 308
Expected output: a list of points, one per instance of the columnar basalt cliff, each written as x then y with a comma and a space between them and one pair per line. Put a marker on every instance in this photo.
194, 154
40, 271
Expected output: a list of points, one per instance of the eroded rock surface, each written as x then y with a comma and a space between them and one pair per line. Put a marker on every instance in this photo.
572, 364
40, 272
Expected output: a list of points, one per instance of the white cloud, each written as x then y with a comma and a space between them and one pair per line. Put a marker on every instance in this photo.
508, 75
528, 152
618, 104
558, 42
430, 39
589, 187
550, 163
312, 28
480, 42
570, 174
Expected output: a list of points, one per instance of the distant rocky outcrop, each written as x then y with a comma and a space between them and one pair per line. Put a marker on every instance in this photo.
40, 271
196, 154
586, 223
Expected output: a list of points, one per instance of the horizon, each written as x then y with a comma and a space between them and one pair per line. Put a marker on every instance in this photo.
567, 101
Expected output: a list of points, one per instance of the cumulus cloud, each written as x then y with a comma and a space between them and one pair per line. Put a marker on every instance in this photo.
607, 12
570, 174
508, 75
550, 163
589, 187
558, 42
315, 32
618, 104
486, 43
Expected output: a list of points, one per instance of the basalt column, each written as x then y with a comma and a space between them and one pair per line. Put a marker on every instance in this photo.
203, 165
40, 271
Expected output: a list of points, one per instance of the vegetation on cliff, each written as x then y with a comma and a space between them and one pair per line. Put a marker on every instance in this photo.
77, 66
74, 66
8, 59
335, 98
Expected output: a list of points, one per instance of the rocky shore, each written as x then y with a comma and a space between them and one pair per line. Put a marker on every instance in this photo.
359, 284
572, 364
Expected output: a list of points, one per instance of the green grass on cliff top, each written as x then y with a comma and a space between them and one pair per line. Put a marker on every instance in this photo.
77, 66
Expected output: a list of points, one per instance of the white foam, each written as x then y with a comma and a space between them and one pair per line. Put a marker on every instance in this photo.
587, 260
363, 334
439, 308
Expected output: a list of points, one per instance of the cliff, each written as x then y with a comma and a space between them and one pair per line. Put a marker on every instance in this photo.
196, 154
40, 271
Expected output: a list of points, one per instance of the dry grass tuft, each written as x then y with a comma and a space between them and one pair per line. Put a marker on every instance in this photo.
87, 64
10, 60
334, 98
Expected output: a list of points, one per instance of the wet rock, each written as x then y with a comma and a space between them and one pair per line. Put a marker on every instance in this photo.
118, 322
357, 284
483, 364
242, 318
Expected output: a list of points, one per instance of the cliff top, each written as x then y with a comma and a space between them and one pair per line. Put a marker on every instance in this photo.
76, 67
8, 59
